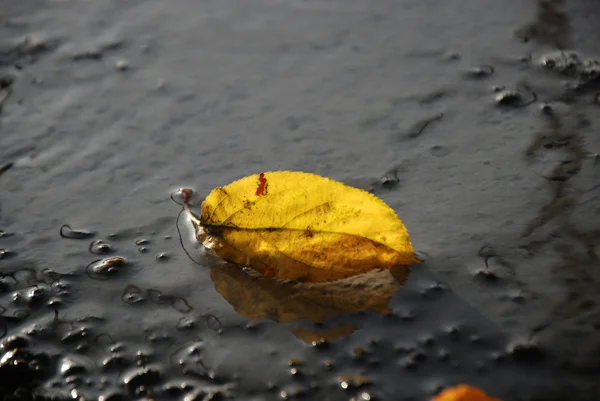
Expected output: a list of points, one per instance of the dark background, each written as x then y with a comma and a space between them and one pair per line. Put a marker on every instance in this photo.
115, 104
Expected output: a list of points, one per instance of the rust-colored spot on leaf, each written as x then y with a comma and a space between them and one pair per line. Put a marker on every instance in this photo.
263, 186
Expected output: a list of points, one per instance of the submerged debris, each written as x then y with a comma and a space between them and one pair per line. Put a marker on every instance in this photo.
67, 232
6, 82
29, 50
417, 129
103, 267
572, 64
97, 52
7, 166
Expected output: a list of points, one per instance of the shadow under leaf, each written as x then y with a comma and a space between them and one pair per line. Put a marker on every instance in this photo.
263, 298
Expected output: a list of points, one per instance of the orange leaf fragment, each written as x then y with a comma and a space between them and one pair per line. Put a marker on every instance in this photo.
464, 392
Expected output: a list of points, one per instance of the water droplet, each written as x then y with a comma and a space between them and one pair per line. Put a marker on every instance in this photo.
14, 342
158, 338
452, 56
132, 295
121, 65
213, 322
498, 356
180, 305
365, 396
113, 396
118, 347
320, 343
74, 335
390, 179
427, 341
36, 294
82, 348
407, 316
142, 358
186, 323
16, 298
99, 247
360, 352
475, 339
4, 234
253, 325
453, 332
439, 151
5, 254
508, 98
147, 376
546, 108
36, 330
177, 387
487, 275
353, 381
196, 395
529, 353
295, 362
482, 71
71, 365
116, 362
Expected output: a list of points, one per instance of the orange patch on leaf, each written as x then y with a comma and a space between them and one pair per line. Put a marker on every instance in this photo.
262, 185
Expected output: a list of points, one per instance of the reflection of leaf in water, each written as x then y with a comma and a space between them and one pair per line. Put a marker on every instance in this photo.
260, 298
332, 334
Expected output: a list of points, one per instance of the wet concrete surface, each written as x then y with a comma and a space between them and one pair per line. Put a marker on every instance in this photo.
476, 121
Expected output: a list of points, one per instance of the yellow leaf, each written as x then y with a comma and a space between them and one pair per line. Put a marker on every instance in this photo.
464, 392
300, 226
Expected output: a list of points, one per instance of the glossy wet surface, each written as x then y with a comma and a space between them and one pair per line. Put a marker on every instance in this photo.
476, 121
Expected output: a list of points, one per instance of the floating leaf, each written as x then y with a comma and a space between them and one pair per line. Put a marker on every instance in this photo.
464, 392
300, 226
